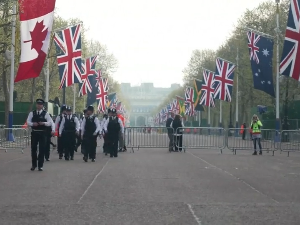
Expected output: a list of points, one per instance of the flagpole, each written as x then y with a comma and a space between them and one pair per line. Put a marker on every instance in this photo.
47, 81
208, 119
12, 74
74, 98
237, 95
220, 124
277, 125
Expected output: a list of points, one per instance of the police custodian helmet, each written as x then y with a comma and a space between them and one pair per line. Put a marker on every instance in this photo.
40, 101
90, 108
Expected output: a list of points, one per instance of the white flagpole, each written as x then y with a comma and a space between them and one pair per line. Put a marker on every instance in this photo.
277, 126
208, 119
12, 73
220, 124
47, 73
237, 95
74, 98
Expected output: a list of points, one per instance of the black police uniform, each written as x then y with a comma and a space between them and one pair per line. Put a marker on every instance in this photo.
79, 141
38, 137
48, 142
105, 146
69, 136
112, 135
89, 139
60, 144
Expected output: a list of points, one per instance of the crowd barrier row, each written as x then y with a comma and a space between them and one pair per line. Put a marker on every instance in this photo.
234, 139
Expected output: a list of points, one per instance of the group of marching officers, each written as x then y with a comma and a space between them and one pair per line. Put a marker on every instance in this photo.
73, 132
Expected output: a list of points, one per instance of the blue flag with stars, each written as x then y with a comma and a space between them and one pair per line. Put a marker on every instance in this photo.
261, 55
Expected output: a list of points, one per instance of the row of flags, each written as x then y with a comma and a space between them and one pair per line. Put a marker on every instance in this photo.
215, 85
36, 17
219, 84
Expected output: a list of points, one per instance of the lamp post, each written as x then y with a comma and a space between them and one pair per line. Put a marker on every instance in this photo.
277, 125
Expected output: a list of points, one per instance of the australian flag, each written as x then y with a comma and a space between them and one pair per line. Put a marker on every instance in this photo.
261, 55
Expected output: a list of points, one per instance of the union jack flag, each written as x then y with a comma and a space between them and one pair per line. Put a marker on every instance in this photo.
252, 45
111, 101
207, 90
224, 80
102, 94
189, 101
290, 65
98, 78
119, 107
88, 75
68, 49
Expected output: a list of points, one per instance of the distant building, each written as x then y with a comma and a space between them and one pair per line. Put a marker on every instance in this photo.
143, 100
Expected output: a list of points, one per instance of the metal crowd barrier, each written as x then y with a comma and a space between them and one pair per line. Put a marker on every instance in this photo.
201, 138
14, 138
146, 137
270, 141
290, 141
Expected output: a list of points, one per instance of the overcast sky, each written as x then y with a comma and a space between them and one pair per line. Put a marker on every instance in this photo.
153, 39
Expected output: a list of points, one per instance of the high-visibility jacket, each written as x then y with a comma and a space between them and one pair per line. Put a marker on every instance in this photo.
256, 127
242, 129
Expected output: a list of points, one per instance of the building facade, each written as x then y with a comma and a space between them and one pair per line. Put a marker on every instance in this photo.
143, 100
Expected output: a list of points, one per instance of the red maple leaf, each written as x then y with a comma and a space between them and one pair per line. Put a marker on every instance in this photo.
38, 36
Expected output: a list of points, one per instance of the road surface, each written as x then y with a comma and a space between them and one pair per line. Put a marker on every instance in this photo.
152, 186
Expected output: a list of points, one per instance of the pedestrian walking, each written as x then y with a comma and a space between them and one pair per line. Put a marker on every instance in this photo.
90, 128
68, 130
38, 120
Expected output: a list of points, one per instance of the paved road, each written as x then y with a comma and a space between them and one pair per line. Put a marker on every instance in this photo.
152, 186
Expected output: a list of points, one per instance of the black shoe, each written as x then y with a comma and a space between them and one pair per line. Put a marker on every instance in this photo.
32, 168
85, 159
48, 160
72, 158
40, 168
254, 153
67, 159
106, 154
260, 152
93, 160
111, 156
115, 156
60, 157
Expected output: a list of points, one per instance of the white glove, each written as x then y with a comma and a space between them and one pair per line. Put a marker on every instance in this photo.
95, 133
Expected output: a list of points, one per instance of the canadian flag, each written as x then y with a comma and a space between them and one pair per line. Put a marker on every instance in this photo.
36, 19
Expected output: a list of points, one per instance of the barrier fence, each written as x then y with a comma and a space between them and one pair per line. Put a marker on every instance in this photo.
147, 137
234, 139
201, 138
290, 141
14, 139
241, 139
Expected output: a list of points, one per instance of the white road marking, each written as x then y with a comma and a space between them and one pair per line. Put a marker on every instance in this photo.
230, 174
95, 178
194, 214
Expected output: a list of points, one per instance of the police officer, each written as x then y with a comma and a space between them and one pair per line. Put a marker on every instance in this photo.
38, 120
79, 140
60, 146
49, 134
68, 130
90, 128
112, 128
105, 117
